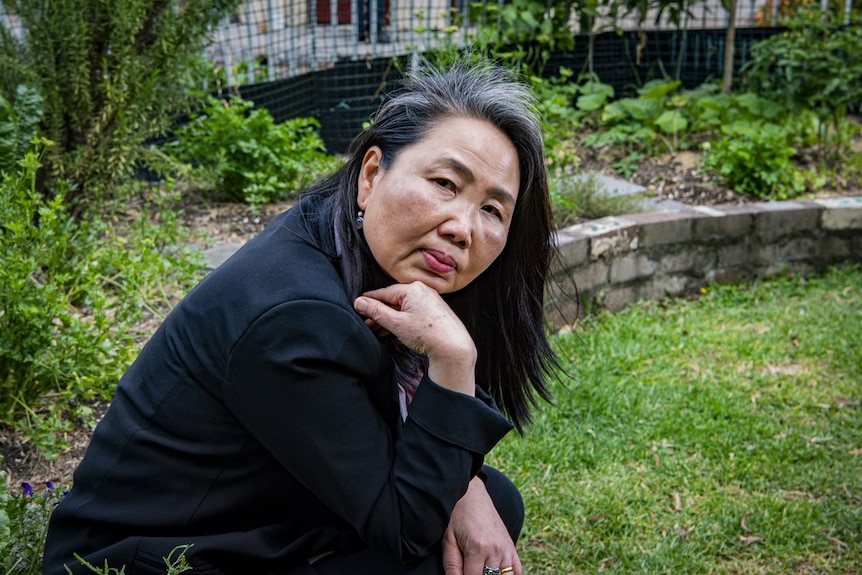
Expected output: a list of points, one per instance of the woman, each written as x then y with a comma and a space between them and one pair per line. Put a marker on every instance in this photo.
312, 405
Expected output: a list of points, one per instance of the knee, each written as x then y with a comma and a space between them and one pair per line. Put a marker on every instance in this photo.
507, 499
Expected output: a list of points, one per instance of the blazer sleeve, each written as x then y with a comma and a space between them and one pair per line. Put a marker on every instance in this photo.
297, 381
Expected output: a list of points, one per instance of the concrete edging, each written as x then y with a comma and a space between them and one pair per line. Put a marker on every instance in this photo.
616, 261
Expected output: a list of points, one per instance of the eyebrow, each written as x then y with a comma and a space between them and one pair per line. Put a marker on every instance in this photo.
467, 173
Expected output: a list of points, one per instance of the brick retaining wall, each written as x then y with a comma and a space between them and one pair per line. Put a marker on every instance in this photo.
618, 260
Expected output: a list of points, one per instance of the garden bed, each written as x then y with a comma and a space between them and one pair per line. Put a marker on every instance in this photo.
677, 178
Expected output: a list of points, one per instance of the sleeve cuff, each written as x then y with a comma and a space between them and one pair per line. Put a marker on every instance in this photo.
459, 419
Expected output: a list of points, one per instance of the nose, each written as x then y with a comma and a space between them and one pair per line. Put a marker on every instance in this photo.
457, 226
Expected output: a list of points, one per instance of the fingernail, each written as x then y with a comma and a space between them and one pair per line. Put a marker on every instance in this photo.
360, 305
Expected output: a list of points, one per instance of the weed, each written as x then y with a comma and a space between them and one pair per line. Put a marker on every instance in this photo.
70, 290
579, 197
243, 155
23, 526
756, 158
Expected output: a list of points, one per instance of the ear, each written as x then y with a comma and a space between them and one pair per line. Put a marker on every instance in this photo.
368, 174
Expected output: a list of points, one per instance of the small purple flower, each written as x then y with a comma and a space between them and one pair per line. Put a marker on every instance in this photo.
50, 485
27, 489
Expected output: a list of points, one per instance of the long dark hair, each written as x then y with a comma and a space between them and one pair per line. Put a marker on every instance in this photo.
503, 308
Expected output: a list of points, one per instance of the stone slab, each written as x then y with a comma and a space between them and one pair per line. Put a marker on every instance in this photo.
729, 223
666, 227
841, 213
573, 247
779, 219
661, 205
608, 236
612, 186
217, 255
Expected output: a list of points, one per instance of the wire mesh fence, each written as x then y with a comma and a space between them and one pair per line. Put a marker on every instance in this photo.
333, 59
336, 59
268, 40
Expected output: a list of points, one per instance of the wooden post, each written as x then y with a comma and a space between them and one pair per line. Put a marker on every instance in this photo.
729, 40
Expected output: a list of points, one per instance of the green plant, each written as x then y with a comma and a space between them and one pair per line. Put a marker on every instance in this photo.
242, 73
5, 528
579, 197
815, 65
22, 538
175, 563
70, 290
19, 124
111, 75
654, 120
756, 158
24, 525
710, 110
628, 165
246, 156
529, 30
46, 343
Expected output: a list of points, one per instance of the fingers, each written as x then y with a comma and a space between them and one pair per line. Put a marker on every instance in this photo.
474, 564
480, 534
453, 561
373, 310
418, 317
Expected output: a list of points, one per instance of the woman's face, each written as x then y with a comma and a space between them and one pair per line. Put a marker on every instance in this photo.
440, 214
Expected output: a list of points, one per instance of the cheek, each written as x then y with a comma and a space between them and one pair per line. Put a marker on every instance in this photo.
499, 237
493, 246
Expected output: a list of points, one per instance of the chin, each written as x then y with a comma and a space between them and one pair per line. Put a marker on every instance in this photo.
438, 284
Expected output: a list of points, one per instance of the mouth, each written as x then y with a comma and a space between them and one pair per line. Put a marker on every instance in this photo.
439, 262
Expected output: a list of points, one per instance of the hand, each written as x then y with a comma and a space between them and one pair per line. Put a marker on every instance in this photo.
421, 320
477, 537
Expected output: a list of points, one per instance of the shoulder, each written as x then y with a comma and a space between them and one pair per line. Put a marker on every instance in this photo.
292, 259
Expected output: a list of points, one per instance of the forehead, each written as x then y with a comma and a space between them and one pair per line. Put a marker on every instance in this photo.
475, 146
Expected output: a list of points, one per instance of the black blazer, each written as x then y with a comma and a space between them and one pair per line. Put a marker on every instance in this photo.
260, 423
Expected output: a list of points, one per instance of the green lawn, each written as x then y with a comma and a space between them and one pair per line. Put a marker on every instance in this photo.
717, 435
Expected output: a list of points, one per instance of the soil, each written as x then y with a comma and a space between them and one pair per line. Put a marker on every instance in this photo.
670, 178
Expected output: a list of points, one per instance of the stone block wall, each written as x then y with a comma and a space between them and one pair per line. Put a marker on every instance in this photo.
615, 261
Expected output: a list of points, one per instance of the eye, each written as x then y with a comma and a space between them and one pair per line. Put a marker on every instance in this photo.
444, 183
493, 210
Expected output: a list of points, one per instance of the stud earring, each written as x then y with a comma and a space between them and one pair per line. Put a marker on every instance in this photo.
357, 223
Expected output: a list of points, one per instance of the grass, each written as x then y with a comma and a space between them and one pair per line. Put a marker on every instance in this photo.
717, 435
577, 198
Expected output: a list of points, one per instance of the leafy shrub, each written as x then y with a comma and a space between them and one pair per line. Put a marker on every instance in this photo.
112, 75
815, 65
247, 157
528, 30
653, 121
665, 118
5, 528
70, 290
756, 158
19, 124
565, 106
46, 341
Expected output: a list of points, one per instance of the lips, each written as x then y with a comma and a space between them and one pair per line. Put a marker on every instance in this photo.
439, 262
